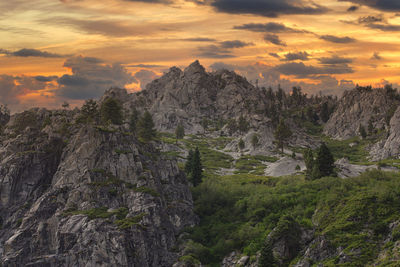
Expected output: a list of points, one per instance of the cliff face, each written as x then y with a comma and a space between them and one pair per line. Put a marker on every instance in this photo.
389, 147
356, 108
190, 95
76, 195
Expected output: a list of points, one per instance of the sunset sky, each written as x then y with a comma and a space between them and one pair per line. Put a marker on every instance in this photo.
53, 51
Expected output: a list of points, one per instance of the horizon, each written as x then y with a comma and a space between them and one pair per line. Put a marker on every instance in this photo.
72, 50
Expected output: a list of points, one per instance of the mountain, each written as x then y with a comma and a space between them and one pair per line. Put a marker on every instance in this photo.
76, 194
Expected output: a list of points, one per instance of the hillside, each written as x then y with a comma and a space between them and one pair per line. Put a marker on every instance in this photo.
91, 187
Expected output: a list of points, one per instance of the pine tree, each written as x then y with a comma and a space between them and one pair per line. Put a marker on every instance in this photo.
309, 161
324, 112
243, 125
89, 112
197, 168
362, 131
146, 129
133, 121
371, 126
111, 111
241, 144
189, 163
179, 132
267, 257
254, 141
324, 162
282, 134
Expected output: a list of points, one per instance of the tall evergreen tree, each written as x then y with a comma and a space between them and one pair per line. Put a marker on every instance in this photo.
362, 131
111, 111
197, 168
241, 144
189, 163
133, 120
266, 256
89, 111
309, 161
254, 141
146, 129
282, 134
324, 112
179, 132
325, 162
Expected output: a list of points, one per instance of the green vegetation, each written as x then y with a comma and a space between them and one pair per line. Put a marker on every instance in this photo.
111, 111
145, 127
179, 132
252, 164
282, 134
193, 167
89, 112
128, 222
238, 212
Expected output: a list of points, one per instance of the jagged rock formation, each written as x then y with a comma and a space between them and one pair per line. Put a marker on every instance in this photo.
389, 147
357, 107
80, 195
190, 95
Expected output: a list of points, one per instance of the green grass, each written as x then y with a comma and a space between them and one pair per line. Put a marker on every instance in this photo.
237, 212
252, 164
128, 222
357, 153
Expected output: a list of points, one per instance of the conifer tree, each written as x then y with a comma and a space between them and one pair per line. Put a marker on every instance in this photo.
189, 163
309, 161
111, 111
133, 121
282, 134
179, 132
197, 168
241, 144
362, 131
89, 111
324, 112
146, 129
266, 257
254, 141
324, 163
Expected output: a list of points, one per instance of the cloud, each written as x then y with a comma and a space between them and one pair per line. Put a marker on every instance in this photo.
152, 1
90, 78
199, 39
234, 44
335, 60
222, 49
296, 56
337, 40
26, 52
275, 55
41, 78
147, 66
376, 56
353, 8
375, 22
267, 76
267, 8
274, 39
302, 71
384, 5
145, 77
271, 27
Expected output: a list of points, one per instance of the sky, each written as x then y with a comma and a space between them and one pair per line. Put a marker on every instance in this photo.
52, 51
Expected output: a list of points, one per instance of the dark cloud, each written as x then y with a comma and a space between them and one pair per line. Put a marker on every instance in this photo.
267, 8
375, 22
376, 56
275, 55
234, 44
145, 77
199, 39
41, 78
25, 52
384, 5
90, 78
274, 39
353, 8
152, 1
337, 40
301, 71
335, 60
214, 51
296, 56
148, 66
270, 27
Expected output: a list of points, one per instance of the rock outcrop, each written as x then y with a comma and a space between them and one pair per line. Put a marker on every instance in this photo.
389, 147
193, 94
357, 107
80, 195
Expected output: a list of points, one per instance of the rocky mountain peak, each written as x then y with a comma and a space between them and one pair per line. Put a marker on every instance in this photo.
194, 68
